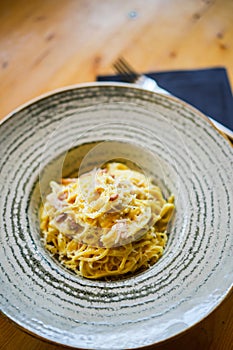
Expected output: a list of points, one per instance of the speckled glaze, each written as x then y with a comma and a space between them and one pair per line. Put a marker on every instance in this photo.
187, 157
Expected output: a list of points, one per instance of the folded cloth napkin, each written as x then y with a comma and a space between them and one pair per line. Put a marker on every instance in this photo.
206, 89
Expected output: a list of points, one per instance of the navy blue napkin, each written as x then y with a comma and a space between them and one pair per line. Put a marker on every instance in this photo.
206, 89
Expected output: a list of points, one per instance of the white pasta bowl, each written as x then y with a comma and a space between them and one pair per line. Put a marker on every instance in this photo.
87, 125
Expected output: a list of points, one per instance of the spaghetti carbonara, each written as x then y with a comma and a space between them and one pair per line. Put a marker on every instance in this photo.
107, 222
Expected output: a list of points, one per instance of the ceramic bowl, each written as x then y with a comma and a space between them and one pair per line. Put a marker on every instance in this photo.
83, 126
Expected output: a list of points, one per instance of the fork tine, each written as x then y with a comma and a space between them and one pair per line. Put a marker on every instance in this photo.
126, 66
120, 68
125, 70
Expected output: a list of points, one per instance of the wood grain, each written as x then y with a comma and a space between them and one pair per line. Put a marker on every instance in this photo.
49, 44
45, 45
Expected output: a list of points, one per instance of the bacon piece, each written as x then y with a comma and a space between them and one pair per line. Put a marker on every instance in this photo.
62, 196
103, 171
113, 197
61, 217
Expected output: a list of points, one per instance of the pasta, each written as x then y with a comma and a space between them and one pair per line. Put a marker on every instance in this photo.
107, 223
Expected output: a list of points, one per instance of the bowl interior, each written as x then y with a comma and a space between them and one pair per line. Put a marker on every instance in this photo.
87, 156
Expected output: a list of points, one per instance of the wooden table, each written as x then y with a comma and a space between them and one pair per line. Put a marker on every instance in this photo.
47, 44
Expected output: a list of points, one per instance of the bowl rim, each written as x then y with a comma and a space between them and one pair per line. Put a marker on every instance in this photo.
107, 84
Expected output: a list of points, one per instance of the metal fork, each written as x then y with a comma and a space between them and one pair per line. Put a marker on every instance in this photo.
131, 76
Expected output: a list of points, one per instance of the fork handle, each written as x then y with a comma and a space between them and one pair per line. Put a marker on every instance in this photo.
150, 84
